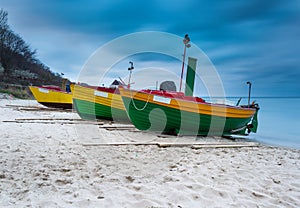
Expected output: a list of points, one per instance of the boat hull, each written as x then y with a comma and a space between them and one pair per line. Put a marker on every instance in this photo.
52, 98
147, 112
92, 104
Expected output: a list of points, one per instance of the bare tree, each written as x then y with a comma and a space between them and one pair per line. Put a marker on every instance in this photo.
3, 19
3, 29
16, 57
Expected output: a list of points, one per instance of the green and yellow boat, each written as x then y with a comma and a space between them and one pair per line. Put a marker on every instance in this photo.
175, 113
92, 103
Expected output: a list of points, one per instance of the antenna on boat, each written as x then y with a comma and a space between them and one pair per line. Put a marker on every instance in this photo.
249, 83
123, 83
238, 102
186, 41
130, 72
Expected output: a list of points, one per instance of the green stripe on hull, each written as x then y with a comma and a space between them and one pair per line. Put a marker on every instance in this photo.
153, 117
92, 111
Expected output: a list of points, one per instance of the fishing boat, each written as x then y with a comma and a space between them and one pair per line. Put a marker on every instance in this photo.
54, 96
168, 111
175, 113
93, 103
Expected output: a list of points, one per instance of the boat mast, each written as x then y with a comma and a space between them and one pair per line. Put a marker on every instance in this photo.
186, 41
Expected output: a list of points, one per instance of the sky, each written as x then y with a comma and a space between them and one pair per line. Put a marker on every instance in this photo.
257, 41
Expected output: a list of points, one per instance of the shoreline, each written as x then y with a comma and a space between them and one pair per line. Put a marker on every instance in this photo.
46, 164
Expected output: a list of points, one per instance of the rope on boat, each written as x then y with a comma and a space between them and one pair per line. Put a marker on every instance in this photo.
140, 109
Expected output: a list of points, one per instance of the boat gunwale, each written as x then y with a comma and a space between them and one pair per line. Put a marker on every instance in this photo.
52, 90
189, 101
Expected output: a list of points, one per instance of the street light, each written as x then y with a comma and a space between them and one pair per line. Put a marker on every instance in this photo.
186, 41
130, 72
249, 83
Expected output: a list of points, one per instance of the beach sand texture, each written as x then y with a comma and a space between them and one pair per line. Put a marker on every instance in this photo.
53, 162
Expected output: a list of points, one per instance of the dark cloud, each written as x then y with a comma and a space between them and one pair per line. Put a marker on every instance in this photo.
246, 40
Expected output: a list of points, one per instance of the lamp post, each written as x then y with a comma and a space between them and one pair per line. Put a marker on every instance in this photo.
130, 72
249, 83
186, 41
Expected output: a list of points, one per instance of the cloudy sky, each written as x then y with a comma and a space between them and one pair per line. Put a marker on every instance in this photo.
257, 41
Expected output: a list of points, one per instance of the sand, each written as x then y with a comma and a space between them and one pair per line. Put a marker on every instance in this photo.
61, 161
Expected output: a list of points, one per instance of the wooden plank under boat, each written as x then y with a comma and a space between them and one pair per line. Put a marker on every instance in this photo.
172, 112
99, 103
52, 96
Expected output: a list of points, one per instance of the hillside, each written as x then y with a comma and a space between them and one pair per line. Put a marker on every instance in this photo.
19, 66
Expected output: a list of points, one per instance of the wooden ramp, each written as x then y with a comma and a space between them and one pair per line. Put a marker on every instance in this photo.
37, 108
191, 145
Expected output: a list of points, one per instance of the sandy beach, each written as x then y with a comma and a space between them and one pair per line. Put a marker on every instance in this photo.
54, 159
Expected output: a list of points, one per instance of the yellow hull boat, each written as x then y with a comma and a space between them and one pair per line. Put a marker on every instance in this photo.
53, 96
